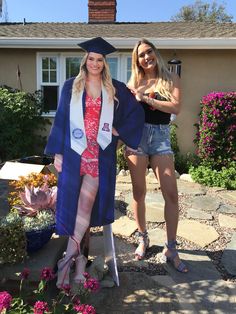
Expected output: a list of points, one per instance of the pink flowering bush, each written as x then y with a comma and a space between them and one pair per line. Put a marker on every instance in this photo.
216, 141
65, 302
216, 136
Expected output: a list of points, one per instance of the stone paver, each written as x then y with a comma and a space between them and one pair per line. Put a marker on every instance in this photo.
186, 177
198, 214
124, 251
139, 294
157, 237
229, 196
229, 256
154, 206
227, 221
206, 203
124, 226
197, 232
227, 209
190, 188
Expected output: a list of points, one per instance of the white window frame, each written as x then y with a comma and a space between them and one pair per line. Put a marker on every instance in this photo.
61, 74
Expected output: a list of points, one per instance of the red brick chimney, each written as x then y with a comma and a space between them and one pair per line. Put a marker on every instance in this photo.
102, 11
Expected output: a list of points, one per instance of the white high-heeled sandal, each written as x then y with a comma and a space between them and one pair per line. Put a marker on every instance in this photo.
63, 272
144, 241
80, 266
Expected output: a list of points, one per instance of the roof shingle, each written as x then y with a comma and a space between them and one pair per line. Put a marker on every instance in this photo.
119, 30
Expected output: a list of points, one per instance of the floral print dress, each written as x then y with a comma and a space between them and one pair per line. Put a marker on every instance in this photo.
89, 158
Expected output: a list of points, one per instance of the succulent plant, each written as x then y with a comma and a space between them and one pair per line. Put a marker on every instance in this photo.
35, 199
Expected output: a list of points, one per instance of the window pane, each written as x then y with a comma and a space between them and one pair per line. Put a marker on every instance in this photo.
49, 69
72, 67
128, 68
45, 62
45, 77
50, 97
113, 64
53, 76
53, 63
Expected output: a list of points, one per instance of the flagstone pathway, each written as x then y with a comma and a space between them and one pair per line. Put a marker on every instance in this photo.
207, 237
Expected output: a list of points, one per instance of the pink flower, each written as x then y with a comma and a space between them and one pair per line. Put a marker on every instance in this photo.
47, 274
85, 309
25, 273
86, 275
66, 289
5, 300
92, 284
40, 307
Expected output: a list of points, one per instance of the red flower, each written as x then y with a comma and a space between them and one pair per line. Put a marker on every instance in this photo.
25, 273
41, 307
92, 284
47, 274
5, 300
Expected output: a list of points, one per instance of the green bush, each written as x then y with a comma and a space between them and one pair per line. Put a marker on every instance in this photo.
12, 240
121, 160
182, 161
207, 175
21, 123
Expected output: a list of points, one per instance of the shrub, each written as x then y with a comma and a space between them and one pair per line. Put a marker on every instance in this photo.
182, 161
216, 136
21, 123
206, 175
12, 240
121, 160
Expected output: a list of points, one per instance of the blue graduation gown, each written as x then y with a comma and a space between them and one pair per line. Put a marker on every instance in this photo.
128, 120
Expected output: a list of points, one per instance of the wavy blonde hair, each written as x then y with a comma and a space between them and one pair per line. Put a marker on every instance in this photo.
79, 82
164, 81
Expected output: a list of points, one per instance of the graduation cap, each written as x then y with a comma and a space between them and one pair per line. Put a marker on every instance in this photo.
97, 45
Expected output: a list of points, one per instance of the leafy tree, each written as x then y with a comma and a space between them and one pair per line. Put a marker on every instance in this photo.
21, 123
3, 11
202, 12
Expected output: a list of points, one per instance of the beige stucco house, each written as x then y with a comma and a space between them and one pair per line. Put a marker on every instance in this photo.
45, 54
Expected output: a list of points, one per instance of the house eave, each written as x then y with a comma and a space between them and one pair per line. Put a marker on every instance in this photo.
120, 43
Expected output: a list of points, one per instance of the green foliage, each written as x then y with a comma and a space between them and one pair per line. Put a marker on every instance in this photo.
182, 162
12, 240
173, 138
21, 123
42, 220
203, 12
206, 175
121, 160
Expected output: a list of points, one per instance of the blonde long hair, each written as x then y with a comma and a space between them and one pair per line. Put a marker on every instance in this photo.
79, 82
164, 81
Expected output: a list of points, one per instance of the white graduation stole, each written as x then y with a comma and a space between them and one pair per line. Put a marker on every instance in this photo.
77, 130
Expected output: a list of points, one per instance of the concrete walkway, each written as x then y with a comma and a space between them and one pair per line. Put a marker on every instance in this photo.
202, 290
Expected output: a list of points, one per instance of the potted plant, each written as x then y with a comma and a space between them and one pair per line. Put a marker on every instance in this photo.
33, 201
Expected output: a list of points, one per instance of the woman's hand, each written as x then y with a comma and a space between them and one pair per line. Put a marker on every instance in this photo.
58, 160
138, 95
114, 132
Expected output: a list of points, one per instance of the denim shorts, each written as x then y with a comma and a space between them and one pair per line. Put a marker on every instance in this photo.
155, 140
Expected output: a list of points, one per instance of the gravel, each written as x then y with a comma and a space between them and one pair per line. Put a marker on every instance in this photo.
214, 250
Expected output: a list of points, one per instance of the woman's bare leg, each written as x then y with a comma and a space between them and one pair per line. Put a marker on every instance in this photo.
137, 166
163, 166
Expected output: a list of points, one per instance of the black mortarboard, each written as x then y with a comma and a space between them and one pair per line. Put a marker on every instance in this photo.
98, 45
